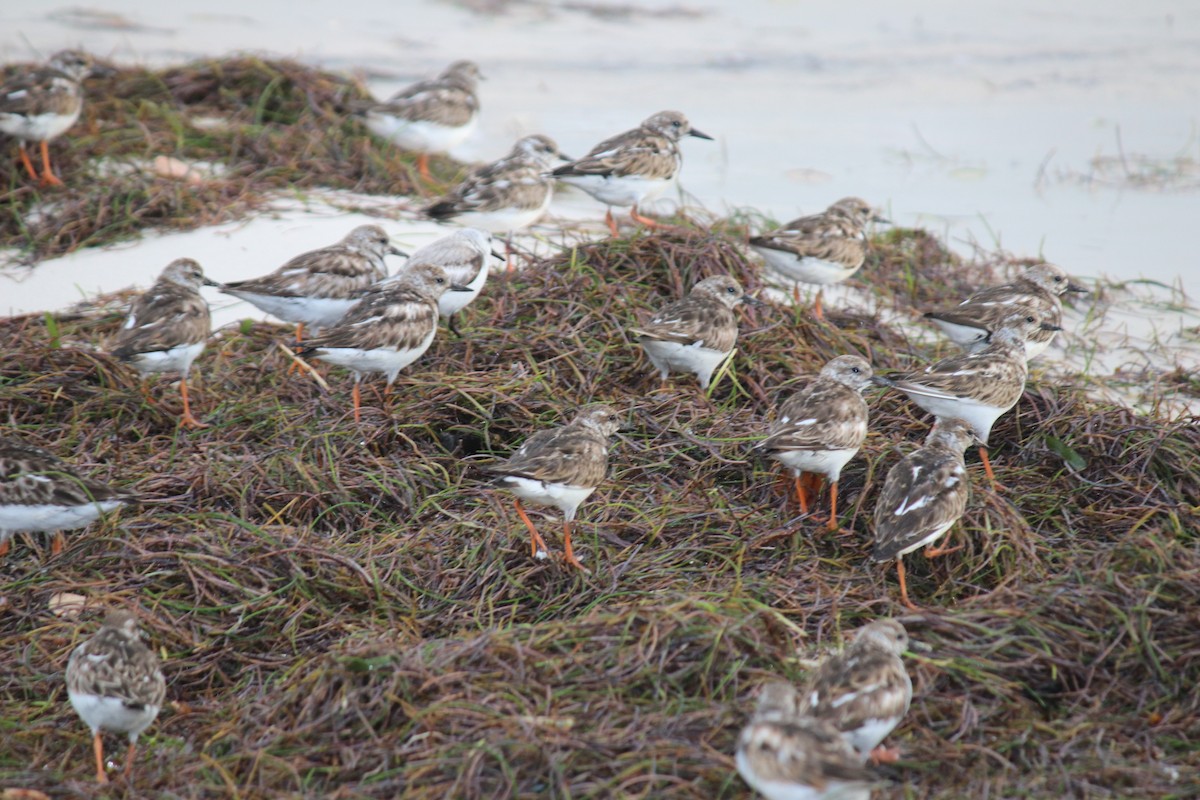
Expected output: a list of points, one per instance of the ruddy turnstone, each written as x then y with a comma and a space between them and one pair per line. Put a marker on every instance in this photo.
507, 195
977, 387
41, 104
388, 329
821, 427
115, 684
559, 467
430, 116
632, 167
695, 334
823, 248
464, 256
785, 755
41, 492
923, 496
168, 326
865, 690
1039, 288
317, 288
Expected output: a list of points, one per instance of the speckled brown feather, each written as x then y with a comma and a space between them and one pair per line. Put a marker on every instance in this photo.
115, 664
866, 683
337, 272
781, 746
448, 99
926, 491
836, 234
166, 316
30, 475
44, 90
841, 415
397, 315
519, 180
573, 455
693, 320
994, 376
640, 152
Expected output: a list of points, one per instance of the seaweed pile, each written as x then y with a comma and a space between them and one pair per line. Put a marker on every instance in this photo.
350, 611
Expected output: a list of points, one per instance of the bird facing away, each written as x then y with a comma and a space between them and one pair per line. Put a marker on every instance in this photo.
785, 755
41, 104
1039, 289
506, 195
559, 467
41, 492
632, 167
923, 496
168, 327
464, 256
864, 691
388, 329
976, 387
695, 334
115, 684
821, 427
317, 288
430, 116
821, 249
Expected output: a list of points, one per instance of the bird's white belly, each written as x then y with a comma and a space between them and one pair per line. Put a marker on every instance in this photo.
19, 518
978, 415
317, 312
805, 269
867, 736
38, 128
420, 136
565, 498
628, 190
110, 714
177, 359
824, 462
503, 220
382, 359
675, 357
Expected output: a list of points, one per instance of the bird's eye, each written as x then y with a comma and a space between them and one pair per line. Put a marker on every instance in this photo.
855, 370
440, 280
1030, 319
1058, 279
731, 290
675, 123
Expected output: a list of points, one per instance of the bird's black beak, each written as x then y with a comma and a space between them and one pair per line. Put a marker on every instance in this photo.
1075, 287
1048, 326
458, 287
699, 134
497, 255
207, 281
396, 251
752, 301
881, 219
879, 380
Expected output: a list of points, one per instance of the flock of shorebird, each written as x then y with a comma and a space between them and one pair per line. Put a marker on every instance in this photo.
810, 743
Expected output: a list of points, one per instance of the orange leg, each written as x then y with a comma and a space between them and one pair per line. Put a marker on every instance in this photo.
818, 311
796, 293
987, 467
98, 749
423, 166
536, 542
934, 552
832, 526
570, 552
295, 367
4, 548
357, 395
801, 495
57, 543
612, 223
649, 223
509, 269
48, 176
904, 587
28, 164
187, 420
129, 754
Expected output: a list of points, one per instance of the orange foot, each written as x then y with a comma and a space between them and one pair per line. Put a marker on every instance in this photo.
884, 755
